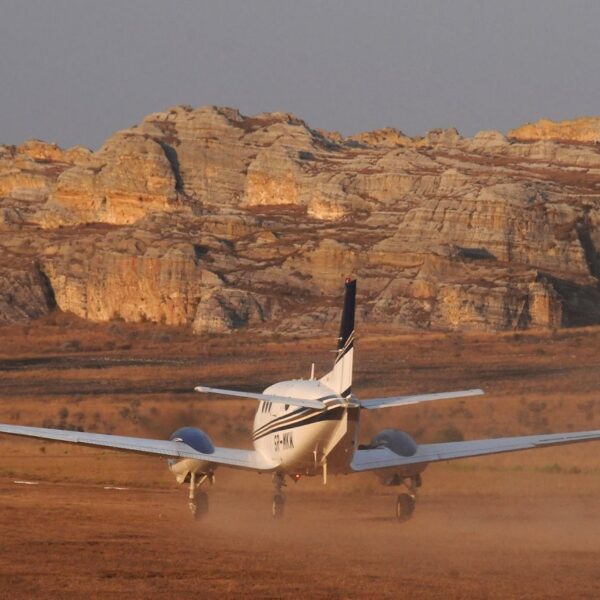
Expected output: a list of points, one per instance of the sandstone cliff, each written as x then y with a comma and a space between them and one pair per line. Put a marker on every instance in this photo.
206, 218
581, 130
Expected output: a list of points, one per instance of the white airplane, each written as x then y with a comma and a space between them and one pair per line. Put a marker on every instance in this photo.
310, 427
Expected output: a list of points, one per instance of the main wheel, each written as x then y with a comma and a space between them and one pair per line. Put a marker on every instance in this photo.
201, 506
405, 506
278, 505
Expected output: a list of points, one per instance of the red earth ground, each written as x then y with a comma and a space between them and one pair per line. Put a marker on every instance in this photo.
522, 525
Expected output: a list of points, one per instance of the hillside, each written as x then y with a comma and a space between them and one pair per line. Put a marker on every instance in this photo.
216, 221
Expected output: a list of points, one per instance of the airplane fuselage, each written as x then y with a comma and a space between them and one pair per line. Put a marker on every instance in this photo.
305, 441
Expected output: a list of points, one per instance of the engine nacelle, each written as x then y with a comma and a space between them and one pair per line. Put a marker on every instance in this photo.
199, 441
195, 438
399, 442
402, 444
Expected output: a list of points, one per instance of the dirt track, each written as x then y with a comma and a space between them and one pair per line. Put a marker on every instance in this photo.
524, 525
525, 541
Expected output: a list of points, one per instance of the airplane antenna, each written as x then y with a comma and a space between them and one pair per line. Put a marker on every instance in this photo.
312, 371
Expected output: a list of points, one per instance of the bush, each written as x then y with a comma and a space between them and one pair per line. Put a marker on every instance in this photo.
71, 345
450, 434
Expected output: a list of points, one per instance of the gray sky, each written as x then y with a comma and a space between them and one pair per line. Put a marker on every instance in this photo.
73, 71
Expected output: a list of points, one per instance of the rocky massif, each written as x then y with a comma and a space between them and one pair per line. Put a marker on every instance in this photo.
206, 218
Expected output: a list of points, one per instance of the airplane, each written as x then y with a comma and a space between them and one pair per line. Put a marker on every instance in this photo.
310, 427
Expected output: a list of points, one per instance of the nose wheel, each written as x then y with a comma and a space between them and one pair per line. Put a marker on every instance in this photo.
278, 506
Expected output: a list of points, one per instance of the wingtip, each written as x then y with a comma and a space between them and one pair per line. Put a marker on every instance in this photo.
473, 392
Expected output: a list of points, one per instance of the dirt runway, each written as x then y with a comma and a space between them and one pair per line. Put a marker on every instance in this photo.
523, 525
530, 536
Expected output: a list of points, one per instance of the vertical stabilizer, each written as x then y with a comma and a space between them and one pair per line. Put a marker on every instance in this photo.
339, 379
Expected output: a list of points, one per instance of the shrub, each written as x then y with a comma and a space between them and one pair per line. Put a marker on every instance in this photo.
451, 433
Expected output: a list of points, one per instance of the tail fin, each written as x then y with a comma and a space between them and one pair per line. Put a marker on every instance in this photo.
339, 379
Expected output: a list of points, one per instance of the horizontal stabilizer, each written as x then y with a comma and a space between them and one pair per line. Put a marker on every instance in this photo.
374, 403
231, 457
384, 458
263, 397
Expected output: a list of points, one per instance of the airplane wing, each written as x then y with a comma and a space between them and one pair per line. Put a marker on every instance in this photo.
374, 403
264, 397
231, 457
383, 458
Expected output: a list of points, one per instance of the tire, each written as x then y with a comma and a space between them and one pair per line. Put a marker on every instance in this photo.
405, 506
278, 506
201, 506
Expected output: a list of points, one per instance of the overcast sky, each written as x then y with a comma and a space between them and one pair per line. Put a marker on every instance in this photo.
75, 71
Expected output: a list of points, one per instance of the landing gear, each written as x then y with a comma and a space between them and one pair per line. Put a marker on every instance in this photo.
199, 506
198, 500
406, 502
405, 506
278, 506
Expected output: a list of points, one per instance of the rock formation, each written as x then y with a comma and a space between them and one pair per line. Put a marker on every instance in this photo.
206, 218
582, 130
